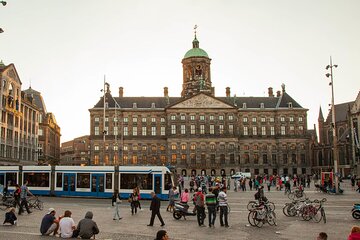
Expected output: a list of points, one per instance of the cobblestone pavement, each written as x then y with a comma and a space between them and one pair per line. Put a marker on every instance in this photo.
339, 220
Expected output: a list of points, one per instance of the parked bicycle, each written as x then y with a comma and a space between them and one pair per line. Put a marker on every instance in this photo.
7, 202
315, 211
36, 203
261, 214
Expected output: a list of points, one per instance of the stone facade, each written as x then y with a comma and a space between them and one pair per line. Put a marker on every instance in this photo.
19, 121
199, 132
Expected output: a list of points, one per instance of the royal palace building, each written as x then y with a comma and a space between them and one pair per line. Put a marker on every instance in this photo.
200, 133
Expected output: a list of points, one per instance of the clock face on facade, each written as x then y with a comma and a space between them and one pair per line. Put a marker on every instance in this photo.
198, 67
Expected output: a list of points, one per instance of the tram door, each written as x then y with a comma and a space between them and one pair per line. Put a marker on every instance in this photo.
2, 182
97, 184
69, 183
157, 184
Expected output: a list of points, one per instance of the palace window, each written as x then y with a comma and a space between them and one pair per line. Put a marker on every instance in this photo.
221, 129
162, 131
153, 131
134, 131
246, 131
143, 129
231, 129
254, 129
192, 129
282, 128
202, 129
183, 129
173, 129
272, 131
263, 130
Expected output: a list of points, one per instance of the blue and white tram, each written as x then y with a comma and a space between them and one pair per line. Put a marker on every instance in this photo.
9, 176
89, 181
148, 178
39, 179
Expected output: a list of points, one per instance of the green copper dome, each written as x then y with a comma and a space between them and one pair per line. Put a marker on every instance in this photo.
196, 51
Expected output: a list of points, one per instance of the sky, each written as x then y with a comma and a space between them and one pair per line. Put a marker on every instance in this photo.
63, 49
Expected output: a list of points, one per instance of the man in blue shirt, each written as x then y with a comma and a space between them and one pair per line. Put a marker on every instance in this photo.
49, 224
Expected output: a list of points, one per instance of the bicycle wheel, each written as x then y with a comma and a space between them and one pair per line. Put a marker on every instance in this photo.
40, 205
317, 215
251, 205
323, 215
258, 221
251, 217
3, 206
306, 213
286, 209
271, 218
271, 206
291, 196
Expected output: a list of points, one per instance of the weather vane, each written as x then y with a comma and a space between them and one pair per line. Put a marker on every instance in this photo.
195, 27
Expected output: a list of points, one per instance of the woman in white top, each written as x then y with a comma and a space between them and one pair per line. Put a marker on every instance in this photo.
67, 225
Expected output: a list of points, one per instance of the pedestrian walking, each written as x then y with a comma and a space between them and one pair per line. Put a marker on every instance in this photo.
155, 210
17, 196
185, 196
172, 193
116, 201
250, 184
223, 204
210, 200
199, 199
139, 197
134, 201
23, 195
355, 233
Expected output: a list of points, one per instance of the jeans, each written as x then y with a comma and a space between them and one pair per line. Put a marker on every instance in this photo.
24, 203
224, 215
117, 212
212, 215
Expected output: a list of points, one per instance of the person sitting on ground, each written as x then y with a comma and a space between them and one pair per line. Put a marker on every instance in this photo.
67, 225
87, 227
10, 217
355, 233
49, 223
161, 235
322, 236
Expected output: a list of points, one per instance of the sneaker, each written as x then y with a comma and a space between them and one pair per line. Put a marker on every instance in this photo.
149, 225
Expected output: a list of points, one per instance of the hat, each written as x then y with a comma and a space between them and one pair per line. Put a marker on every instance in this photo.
199, 189
51, 210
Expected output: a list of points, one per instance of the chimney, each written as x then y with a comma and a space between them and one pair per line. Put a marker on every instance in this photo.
278, 94
166, 92
270, 91
121, 91
227, 92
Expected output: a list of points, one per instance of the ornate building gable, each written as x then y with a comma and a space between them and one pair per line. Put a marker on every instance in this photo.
356, 106
203, 101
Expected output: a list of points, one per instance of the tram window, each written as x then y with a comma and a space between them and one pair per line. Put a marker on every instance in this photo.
83, 180
59, 180
130, 181
11, 179
168, 181
37, 179
108, 181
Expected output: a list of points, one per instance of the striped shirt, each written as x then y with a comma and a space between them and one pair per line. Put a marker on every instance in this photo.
222, 198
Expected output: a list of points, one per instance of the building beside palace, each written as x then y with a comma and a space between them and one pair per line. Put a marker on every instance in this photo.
347, 116
19, 121
29, 135
76, 152
200, 133
48, 149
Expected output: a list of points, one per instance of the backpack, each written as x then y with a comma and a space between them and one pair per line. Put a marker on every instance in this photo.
198, 201
257, 195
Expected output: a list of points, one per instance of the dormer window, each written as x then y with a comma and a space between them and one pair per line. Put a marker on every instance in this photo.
106, 105
134, 105
244, 106
152, 105
261, 105
290, 105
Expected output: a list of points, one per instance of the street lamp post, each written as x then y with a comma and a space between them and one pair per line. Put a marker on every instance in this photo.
333, 125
